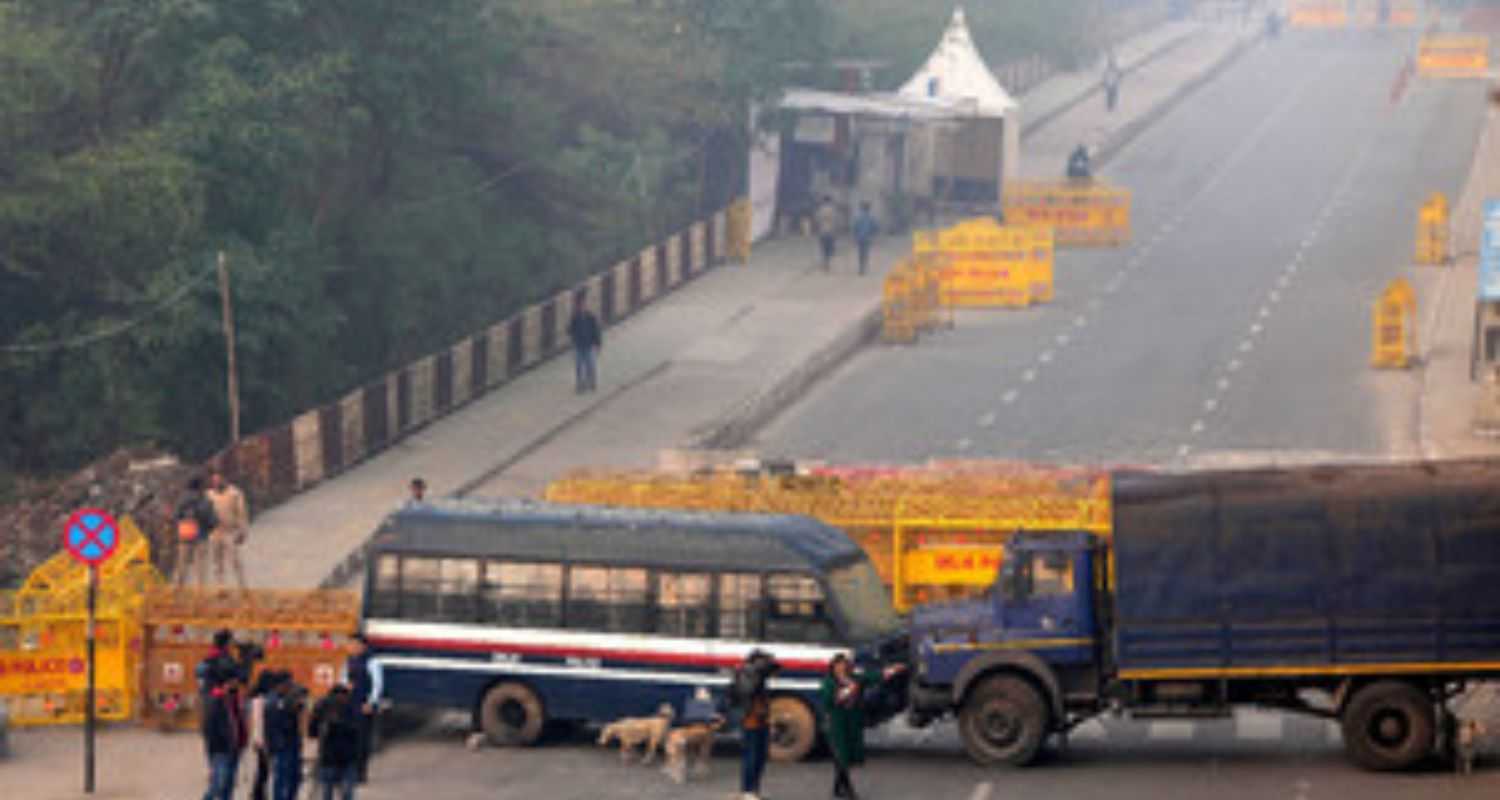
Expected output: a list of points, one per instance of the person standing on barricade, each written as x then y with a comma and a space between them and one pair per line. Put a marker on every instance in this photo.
366, 680
234, 525
194, 519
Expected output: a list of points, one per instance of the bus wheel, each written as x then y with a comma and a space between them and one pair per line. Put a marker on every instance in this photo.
1389, 725
1003, 721
794, 729
511, 715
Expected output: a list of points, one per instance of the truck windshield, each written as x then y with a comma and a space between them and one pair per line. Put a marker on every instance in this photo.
864, 600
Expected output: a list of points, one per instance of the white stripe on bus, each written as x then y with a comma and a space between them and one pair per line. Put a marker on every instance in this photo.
585, 673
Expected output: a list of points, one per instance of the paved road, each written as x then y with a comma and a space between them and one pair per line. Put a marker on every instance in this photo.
1269, 210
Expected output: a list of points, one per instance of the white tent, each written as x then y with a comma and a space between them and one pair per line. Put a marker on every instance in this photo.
986, 149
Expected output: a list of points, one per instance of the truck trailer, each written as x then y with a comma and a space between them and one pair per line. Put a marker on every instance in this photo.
1366, 594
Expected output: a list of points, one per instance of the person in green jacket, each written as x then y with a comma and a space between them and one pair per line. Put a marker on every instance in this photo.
843, 694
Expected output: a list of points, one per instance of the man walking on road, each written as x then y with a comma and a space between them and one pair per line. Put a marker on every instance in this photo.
234, 526
194, 519
1111, 83
825, 224
865, 229
583, 330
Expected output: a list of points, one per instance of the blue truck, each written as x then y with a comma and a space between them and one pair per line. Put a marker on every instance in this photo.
1366, 594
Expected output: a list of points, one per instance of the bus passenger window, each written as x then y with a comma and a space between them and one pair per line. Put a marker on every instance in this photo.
385, 593
522, 595
683, 604
608, 599
440, 589
796, 610
740, 611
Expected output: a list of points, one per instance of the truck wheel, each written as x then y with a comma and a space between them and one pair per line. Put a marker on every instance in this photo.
1389, 725
511, 715
794, 729
1004, 720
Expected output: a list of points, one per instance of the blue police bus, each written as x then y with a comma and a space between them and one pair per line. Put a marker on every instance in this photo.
526, 613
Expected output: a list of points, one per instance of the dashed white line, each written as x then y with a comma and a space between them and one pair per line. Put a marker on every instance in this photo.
1264, 312
1256, 328
1029, 375
1062, 339
1246, 346
1184, 450
1274, 296
1010, 397
1210, 405
1223, 384
1284, 281
1198, 426
965, 444
1234, 365
1080, 321
987, 420
1045, 357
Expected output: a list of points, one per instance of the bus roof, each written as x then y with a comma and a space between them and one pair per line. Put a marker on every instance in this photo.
547, 532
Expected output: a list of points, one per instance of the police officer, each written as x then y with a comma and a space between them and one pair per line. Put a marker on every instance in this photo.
366, 680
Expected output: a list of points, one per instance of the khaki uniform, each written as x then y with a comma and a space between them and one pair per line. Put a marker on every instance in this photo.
234, 524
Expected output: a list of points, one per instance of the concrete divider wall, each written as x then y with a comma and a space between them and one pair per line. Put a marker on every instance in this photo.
275, 464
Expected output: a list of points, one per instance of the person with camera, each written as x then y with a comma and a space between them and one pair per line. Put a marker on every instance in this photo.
220, 679
284, 709
749, 693
335, 725
845, 693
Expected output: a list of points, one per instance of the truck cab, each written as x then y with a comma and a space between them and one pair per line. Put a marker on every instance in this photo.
1016, 662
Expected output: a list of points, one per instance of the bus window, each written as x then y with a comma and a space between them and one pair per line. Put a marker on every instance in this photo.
611, 599
385, 594
683, 604
440, 589
740, 612
522, 595
796, 612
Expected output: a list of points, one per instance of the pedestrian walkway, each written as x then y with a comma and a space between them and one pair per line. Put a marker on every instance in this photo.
721, 350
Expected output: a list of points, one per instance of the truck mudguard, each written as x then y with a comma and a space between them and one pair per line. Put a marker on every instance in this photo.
1011, 661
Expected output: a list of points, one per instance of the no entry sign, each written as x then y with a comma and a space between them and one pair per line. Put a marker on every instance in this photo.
91, 536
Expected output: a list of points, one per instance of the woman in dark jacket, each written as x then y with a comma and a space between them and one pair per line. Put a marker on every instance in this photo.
843, 694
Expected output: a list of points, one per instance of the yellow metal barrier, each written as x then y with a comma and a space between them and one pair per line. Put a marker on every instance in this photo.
1433, 241
1354, 13
1451, 55
932, 532
1080, 213
898, 317
737, 232
1395, 326
983, 264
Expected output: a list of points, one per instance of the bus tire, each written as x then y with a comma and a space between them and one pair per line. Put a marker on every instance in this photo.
1003, 720
1389, 725
511, 715
794, 729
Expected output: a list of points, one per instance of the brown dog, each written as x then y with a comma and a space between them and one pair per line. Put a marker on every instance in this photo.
690, 743
648, 732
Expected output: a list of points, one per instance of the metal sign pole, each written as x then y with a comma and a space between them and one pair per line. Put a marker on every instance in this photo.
88, 718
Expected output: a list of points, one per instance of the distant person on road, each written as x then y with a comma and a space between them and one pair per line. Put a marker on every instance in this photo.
583, 330
194, 519
335, 726
366, 680
1079, 168
418, 492
865, 229
234, 525
1111, 84
826, 225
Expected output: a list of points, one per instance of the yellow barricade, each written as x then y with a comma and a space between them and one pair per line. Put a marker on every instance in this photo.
898, 317
1450, 55
1357, 14
1395, 326
984, 264
737, 231
1080, 213
1433, 241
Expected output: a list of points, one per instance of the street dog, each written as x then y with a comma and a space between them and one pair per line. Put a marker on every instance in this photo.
1466, 745
690, 743
647, 732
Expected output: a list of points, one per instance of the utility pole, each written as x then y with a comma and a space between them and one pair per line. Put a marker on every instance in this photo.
227, 307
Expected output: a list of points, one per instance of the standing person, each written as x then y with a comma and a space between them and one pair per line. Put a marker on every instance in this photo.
1111, 82
749, 693
256, 714
865, 228
583, 330
366, 680
223, 727
843, 695
234, 525
334, 724
194, 518
284, 736
418, 492
826, 223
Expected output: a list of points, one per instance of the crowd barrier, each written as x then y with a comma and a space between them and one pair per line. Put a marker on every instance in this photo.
1395, 326
1453, 55
1081, 213
984, 264
276, 464
1433, 231
1355, 13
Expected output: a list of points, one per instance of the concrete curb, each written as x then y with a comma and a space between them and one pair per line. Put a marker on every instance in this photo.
1131, 130
737, 427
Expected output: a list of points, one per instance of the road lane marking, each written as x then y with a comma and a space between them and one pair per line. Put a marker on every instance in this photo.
1080, 321
965, 444
1062, 339
1264, 312
1223, 384
1029, 375
1045, 357
1275, 296
982, 791
1284, 281
987, 420
1198, 426
1234, 365
1010, 397
1246, 346
1094, 304
1210, 405
1182, 452
1256, 328
1164, 730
